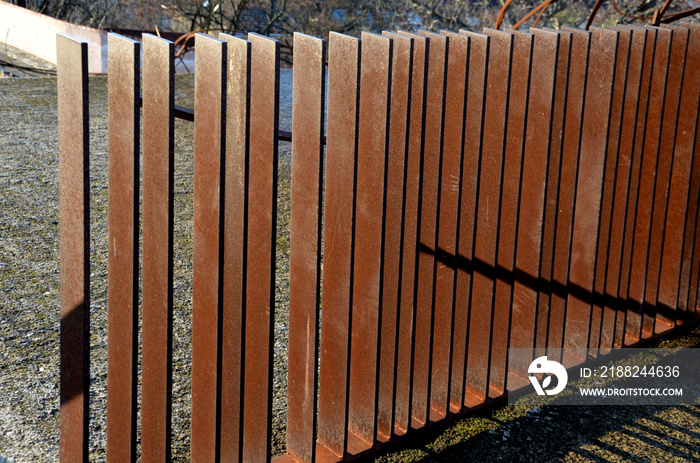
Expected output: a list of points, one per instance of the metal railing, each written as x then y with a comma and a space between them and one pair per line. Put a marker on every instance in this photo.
475, 192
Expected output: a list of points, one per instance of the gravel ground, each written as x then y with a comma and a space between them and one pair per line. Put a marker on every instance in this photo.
29, 321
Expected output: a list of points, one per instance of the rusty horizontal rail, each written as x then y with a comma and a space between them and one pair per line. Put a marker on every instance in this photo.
474, 192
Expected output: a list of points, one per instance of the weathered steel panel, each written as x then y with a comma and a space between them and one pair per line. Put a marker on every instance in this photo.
594, 130
341, 152
309, 94
546, 317
234, 243
518, 122
260, 258
474, 117
210, 82
449, 188
428, 209
603, 321
74, 223
402, 61
488, 201
409, 263
667, 164
123, 252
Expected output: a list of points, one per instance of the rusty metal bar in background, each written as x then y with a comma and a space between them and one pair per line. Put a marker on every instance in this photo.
74, 209
260, 259
123, 220
305, 244
210, 81
234, 243
158, 226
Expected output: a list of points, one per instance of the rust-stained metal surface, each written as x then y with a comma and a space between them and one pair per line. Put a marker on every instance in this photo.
427, 216
372, 143
446, 250
123, 225
599, 337
305, 253
687, 131
546, 318
234, 243
210, 81
396, 170
262, 225
343, 94
530, 222
409, 265
476, 192
513, 164
473, 133
664, 317
74, 226
645, 196
593, 147
489, 196
158, 223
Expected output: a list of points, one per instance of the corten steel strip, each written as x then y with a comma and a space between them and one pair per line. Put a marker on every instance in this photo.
552, 188
613, 306
158, 222
234, 243
74, 209
663, 206
603, 321
650, 155
450, 175
428, 207
123, 251
685, 143
594, 133
530, 217
566, 187
402, 61
210, 82
488, 200
372, 145
343, 93
414, 157
262, 226
513, 163
644, 39
308, 98
476, 87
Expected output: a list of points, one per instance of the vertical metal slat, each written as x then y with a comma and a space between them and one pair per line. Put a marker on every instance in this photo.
123, 252
305, 253
262, 227
74, 210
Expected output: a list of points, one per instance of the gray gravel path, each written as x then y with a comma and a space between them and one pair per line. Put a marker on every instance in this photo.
29, 278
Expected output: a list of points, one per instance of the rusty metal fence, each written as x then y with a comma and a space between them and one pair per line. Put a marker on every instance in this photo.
472, 192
